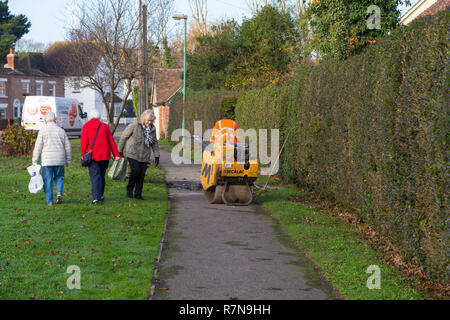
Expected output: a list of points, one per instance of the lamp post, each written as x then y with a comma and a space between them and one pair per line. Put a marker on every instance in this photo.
183, 17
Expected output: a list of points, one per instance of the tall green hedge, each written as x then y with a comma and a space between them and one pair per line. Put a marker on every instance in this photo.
371, 133
205, 106
263, 109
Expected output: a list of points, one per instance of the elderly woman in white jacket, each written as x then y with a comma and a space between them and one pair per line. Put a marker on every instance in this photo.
53, 146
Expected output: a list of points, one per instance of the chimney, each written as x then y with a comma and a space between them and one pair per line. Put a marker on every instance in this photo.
12, 59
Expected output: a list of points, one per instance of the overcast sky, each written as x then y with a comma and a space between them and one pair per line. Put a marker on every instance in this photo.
48, 17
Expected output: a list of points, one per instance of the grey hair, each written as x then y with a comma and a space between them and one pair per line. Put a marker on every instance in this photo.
93, 114
147, 115
49, 117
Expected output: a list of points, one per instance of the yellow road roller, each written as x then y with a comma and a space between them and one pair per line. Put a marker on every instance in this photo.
228, 171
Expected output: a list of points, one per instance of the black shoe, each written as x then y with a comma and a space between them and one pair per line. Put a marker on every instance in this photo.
138, 197
129, 195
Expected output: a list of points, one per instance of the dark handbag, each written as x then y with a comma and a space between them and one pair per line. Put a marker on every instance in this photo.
87, 158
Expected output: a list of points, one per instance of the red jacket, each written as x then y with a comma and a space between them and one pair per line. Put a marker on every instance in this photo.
104, 144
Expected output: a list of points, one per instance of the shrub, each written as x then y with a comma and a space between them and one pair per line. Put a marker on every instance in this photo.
16, 141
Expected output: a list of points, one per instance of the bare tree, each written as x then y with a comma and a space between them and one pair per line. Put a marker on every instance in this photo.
157, 27
199, 9
112, 28
28, 45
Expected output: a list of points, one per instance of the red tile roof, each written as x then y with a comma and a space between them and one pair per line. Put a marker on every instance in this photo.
439, 5
166, 82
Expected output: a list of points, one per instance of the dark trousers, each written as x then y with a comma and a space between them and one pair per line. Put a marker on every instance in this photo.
136, 178
97, 170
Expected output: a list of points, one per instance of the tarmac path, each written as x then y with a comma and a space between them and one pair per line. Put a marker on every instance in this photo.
219, 252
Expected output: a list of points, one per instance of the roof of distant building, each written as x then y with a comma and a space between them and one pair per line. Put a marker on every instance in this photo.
166, 82
72, 58
23, 72
424, 8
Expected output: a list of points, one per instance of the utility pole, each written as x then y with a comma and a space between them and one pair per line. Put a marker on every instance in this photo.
140, 59
145, 58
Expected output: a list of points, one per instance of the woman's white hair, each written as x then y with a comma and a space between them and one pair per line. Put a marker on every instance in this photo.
49, 117
147, 115
93, 114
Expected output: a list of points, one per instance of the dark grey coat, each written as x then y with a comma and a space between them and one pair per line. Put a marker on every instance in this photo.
133, 139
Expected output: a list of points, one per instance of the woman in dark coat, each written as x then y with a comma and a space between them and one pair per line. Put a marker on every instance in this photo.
139, 140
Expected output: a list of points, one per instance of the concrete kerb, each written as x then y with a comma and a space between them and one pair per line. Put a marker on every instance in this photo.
161, 245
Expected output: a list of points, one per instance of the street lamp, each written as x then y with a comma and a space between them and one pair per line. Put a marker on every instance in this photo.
183, 17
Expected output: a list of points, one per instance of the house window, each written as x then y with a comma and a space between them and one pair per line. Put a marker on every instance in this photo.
3, 111
76, 86
3, 88
25, 87
39, 87
51, 89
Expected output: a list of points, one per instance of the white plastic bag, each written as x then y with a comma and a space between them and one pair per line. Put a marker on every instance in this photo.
36, 182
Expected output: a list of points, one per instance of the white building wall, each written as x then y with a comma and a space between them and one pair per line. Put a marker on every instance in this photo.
85, 96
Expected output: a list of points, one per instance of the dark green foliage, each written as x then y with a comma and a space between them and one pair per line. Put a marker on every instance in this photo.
128, 112
206, 64
169, 61
371, 133
12, 28
264, 46
340, 26
228, 105
254, 55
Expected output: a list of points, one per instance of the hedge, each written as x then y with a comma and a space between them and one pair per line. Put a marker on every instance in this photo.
371, 133
263, 109
205, 106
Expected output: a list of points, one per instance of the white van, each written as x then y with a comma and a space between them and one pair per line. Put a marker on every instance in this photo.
68, 113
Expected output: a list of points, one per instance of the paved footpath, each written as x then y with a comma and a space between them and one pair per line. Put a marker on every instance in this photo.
214, 251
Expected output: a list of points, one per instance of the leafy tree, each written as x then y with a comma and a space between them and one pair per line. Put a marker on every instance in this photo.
265, 46
12, 28
213, 53
169, 61
341, 28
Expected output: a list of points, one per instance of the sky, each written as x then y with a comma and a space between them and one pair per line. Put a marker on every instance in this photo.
49, 17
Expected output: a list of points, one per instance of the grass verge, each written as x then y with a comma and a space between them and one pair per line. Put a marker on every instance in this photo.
337, 248
113, 244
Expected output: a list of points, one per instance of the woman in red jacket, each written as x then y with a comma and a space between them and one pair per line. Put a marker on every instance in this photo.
101, 153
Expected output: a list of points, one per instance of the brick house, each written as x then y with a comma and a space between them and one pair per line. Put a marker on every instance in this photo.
165, 84
17, 81
424, 8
